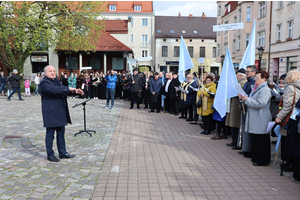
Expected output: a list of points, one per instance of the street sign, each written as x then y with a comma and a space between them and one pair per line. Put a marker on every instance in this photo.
227, 27
201, 60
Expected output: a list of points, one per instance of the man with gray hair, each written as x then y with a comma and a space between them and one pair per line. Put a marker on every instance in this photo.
15, 79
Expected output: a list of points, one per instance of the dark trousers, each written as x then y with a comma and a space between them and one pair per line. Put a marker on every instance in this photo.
60, 140
135, 98
175, 105
235, 134
14, 91
183, 112
146, 97
125, 94
207, 120
190, 110
87, 92
260, 148
155, 104
221, 125
296, 168
167, 103
196, 115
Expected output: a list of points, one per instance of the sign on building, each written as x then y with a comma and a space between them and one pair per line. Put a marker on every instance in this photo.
39, 59
228, 27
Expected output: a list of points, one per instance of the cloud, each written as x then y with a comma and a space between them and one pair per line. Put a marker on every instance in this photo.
172, 8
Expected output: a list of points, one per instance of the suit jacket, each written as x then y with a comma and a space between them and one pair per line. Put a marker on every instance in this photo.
137, 83
54, 103
171, 90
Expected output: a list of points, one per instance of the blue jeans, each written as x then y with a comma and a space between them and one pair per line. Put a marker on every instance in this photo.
60, 140
14, 90
2, 88
37, 89
110, 94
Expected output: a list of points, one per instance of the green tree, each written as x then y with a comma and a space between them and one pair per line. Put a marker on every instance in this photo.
27, 26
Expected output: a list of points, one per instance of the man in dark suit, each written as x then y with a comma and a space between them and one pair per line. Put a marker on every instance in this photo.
174, 95
155, 90
135, 88
55, 112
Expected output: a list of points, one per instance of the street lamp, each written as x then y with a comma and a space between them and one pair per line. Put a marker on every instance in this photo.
260, 53
222, 59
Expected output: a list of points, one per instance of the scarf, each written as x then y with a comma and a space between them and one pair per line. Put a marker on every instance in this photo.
185, 89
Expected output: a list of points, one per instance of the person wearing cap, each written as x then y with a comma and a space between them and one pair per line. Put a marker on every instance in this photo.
135, 88
155, 91
15, 79
234, 116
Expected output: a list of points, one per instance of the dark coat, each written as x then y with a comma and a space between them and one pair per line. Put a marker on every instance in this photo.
137, 85
15, 80
54, 103
247, 86
155, 86
172, 92
191, 95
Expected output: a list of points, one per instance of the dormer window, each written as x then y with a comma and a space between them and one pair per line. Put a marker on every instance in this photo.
158, 31
228, 8
171, 31
195, 32
112, 7
183, 31
138, 8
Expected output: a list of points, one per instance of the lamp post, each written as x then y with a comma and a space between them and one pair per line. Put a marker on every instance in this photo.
260, 53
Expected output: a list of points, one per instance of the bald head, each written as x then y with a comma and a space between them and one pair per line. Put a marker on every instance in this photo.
50, 72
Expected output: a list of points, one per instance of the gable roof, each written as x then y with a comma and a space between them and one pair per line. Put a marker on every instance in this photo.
128, 6
116, 26
202, 25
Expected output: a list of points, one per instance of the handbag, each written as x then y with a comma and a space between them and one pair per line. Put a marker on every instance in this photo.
199, 103
286, 119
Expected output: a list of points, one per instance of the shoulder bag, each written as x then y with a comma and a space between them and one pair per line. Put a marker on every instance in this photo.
286, 119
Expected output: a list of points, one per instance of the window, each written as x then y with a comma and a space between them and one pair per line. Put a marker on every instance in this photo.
218, 50
279, 27
144, 53
219, 10
261, 39
158, 31
171, 31
291, 2
144, 40
132, 38
117, 63
228, 8
144, 22
240, 15
94, 62
262, 9
239, 42
112, 7
71, 63
280, 4
226, 23
164, 51
195, 32
234, 46
247, 39
132, 22
291, 63
191, 51
235, 19
225, 48
202, 52
183, 31
176, 51
137, 8
248, 14
214, 52
290, 31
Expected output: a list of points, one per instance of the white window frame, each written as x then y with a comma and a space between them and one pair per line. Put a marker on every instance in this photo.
214, 52
219, 10
240, 15
227, 22
248, 12
145, 20
111, 7
238, 42
234, 46
138, 8
225, 47
261, 38
235, 19
132, 22
247, 40
262, 9
290, 28
144, 40
279, 31
280, 5
144, 53
218, 50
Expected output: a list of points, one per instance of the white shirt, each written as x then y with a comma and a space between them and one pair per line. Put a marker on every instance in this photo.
37, 80
167, 85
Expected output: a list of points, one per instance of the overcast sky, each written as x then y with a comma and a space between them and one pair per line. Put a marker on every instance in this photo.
172, 8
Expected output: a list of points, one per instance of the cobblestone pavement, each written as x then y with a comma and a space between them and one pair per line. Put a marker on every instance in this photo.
24, 171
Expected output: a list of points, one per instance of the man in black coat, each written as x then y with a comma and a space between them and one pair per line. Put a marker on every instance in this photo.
135, 88
55, 112
155, 90
174, 95
15, 79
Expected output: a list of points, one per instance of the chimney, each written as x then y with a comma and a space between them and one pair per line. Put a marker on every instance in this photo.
179, 14
190, 15
203, 15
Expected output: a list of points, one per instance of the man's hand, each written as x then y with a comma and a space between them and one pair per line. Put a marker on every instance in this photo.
140, 90
153, 93
21, 74
277, 120
72, 89
79, 91
133, 82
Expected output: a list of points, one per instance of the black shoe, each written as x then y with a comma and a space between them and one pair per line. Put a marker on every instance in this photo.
231, 144
206, 133
21, 99
131, 108
236, 148
150, 111
189, 120
165, 111
180, 117
184, 117
203, 132
247, 155
66, 156
157, 111
53, 159
176, 114
138, 107
146, 107
255, 164
195, 123
241, 152
8, 99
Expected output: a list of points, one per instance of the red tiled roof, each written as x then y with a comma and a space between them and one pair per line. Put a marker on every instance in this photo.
233, 5
116, 26
128, 6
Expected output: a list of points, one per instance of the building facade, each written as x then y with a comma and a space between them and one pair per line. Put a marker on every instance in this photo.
199, 38
229, 12
285, 38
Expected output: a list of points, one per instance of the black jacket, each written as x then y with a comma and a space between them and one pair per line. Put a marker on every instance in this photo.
172, 92
15, 80
54, 103
137, 83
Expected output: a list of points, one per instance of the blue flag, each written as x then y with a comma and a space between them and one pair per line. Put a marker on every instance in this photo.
277, 132
249, 55
185, 61
226, 87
